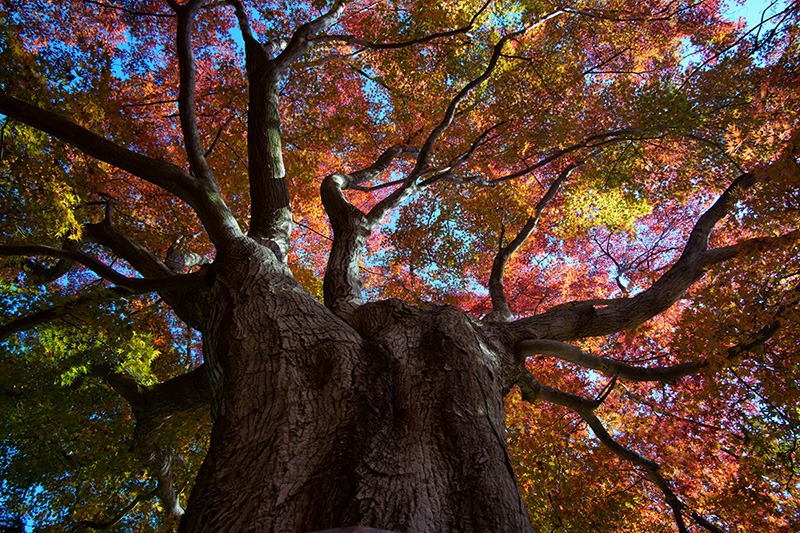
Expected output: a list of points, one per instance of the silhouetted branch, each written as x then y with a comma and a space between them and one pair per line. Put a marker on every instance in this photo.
138, 285
47, 315
368, 45
152, 406
102, 526
533, 390
500, 310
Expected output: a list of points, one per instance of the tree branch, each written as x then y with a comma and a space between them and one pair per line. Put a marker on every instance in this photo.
127, 10
593, 141
649, 466
449, 114
351, 228
182, 301
47, 315
378, 167
164, 175
582, 319
152, 406
533, 390
500, 310
355, 41
203, 197
606, 365
410, 185
302, 40
108, 524
139, 285
41, 274
186, 89
108, 236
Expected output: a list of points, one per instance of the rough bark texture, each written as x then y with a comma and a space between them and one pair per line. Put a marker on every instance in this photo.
394, 422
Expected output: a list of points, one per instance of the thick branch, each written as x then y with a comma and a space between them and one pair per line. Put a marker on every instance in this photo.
351, 228
698, 239
182, 301
42, 274
583, 319
164, 175
664, 374
136, 255
500, 310
138, 285
606, 365
153, 406
203, 197
271, 216
186, 90
341, 286
270, 211
532, 390
301, 42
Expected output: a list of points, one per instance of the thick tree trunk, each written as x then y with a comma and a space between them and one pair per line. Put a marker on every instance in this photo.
394, 422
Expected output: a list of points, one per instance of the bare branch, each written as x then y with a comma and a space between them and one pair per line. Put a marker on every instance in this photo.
41, 274
341, 285
250, 42
107, 235
448, 173
217, 137
379, 166
351, 227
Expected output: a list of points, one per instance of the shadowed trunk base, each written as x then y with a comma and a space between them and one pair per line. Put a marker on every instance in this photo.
395, 422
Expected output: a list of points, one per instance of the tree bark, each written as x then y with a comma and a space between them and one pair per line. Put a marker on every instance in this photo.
394, 421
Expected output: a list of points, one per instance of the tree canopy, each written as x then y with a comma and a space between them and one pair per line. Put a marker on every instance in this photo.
620, 177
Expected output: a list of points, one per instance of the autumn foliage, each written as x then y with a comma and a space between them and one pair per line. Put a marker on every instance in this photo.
531, 156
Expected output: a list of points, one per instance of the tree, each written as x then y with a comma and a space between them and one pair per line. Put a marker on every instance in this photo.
315, 247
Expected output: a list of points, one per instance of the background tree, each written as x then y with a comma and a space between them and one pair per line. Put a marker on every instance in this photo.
314, 247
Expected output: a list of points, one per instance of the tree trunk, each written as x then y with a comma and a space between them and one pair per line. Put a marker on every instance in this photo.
394, 421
